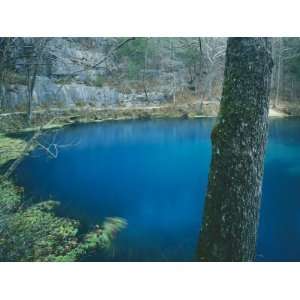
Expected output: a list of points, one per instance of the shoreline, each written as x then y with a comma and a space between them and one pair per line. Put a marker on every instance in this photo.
15, 122
275, 113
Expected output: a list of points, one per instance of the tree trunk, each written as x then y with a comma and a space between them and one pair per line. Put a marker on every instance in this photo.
278, 74
28, 147
230, 222
29, 97
31, 79
210, 84
198, 87
144, 72
173, 73
2, 95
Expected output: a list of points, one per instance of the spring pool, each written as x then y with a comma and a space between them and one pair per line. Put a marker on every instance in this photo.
154, 173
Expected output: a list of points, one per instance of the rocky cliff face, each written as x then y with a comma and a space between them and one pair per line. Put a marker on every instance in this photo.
146, 72
66, 79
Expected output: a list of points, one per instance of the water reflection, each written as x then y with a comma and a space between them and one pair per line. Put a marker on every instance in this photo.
154, 174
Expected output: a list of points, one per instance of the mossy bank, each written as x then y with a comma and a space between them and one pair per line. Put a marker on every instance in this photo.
31, 231
13, 122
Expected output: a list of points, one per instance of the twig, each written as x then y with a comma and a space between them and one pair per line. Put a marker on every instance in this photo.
26, 150
95, 65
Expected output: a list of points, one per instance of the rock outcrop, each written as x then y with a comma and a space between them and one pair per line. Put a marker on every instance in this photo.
68, 79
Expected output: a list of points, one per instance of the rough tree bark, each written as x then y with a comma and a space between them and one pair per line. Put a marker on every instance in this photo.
33, 56
30, 80
145, 69
173, 71
200, 71
231, 213
5, 48
278, 74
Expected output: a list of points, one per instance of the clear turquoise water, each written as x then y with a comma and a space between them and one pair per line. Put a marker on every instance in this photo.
154, 174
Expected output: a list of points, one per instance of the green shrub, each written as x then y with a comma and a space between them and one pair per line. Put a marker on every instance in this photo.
36, 233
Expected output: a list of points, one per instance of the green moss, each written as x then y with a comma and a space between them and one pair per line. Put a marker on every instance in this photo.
99, 238
47, 127
10, 197
85, 114
36, 233
10, 148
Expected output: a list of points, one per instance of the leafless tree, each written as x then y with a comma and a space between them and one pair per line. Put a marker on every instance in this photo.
33, 49
214, 51
97, 65
172, 50
6, 48
145, 69
277, 52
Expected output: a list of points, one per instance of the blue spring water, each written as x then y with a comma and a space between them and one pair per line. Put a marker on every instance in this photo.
154, 174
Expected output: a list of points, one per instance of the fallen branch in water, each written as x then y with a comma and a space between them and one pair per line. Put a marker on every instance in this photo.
53, 154
26, 150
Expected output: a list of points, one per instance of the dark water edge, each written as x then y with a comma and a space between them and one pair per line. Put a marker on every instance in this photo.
154, 174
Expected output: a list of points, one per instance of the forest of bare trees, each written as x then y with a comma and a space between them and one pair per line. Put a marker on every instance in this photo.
177, 70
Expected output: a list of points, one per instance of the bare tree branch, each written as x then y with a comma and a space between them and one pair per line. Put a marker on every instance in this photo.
26, 150
95, 65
